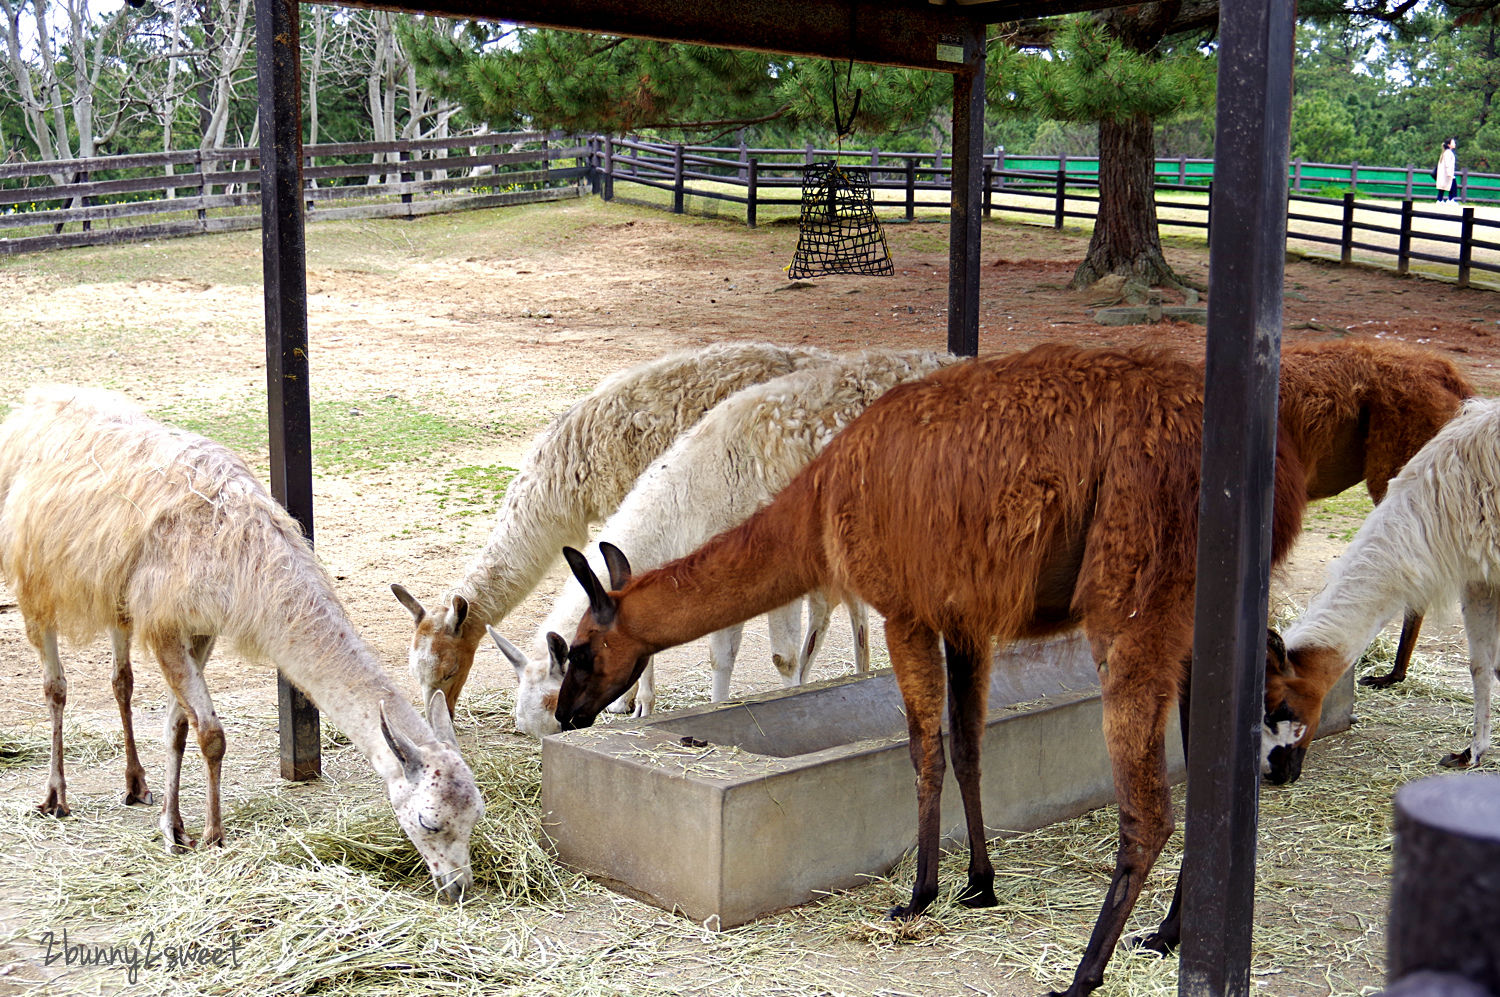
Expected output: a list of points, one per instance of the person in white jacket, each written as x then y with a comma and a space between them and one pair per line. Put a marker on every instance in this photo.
1447, 166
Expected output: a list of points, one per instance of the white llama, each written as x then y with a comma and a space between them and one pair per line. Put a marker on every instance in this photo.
111, 521
575, 474
1435, 538
716, 475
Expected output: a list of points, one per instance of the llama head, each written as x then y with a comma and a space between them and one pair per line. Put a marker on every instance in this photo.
436, 801
1294, 704
442, 650
538, 683
604, 660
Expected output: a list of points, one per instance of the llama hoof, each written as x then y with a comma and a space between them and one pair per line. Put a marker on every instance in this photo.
142, 796
1460, 760
976, 899
621, 706
215, 840
54, 808
1155, 941
177, 840
906, 912
1379, 681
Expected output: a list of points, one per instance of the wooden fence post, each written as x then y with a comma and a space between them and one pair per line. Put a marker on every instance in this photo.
1182, 170
744, 158
1000, 166
1466, 247
1403, 246
1410, 172
752, 190
1463, 184
1346, 238
1354, 176
1297, 176
596, 179
406, 177
807, 156
677, 180
1062, 193
204, 187
609, 168
911, 188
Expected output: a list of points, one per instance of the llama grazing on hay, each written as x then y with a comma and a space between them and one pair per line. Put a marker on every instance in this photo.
1008, 497
730, 464
111, 521
1360, 410
1434, 538
575, 474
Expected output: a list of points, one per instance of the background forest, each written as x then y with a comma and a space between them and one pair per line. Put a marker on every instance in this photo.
79, 80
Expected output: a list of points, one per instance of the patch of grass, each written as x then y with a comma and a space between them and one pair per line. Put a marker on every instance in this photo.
472, 490
1341, 515
349, 436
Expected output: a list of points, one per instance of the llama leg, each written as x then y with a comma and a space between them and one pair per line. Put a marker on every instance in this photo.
1136, 699
182, 663
818, 612
55, 688
174, 734
645, 692
919, 673
1165, 939
1411, 626
123, 681
723, 648
1481, 621
859, 628
968, 699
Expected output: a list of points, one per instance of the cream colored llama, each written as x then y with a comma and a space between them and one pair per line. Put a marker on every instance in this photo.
111, 521
1434, 539
575, 474
715, 476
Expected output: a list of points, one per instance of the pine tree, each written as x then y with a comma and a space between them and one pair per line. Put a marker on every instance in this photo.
1116, 70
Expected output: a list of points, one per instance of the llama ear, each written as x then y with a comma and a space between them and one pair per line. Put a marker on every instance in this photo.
619, 567
406, 753
1276, 659
602, 606
459, 614
440, 719
512, 653
409, 601
557, 649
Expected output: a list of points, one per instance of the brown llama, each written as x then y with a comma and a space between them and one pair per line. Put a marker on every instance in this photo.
1008, 497
1359, 411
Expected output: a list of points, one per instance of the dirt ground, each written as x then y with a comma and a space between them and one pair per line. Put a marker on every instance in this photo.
497, 320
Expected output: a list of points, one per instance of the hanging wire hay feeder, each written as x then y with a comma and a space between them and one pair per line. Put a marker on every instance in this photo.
838, 232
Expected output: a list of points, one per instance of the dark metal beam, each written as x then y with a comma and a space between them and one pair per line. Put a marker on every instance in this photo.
1246, 259
967, 205
284, 264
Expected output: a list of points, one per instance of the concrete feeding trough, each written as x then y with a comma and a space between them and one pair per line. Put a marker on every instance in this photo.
729, 812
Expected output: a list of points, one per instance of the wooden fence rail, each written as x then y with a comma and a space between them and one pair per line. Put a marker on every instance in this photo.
131, 198
1455, 238
108, 199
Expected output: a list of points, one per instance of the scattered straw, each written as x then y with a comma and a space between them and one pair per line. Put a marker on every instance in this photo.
321, 893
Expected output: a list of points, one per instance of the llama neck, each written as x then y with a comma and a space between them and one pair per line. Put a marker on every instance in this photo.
1368, 585
772, 558
533, 526
319, 652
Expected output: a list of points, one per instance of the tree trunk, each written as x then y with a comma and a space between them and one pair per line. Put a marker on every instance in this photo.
1125, 239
